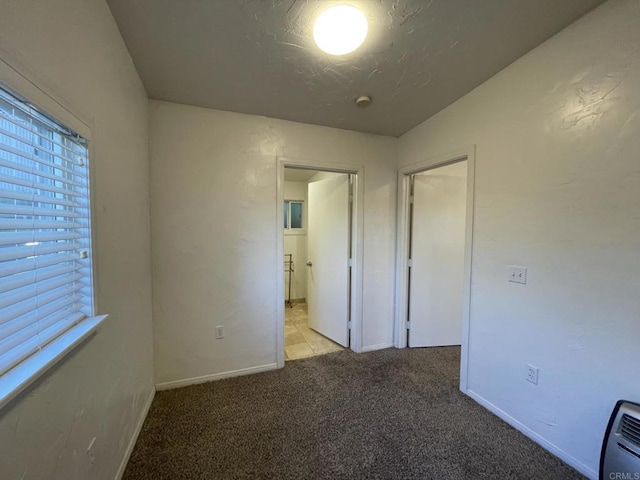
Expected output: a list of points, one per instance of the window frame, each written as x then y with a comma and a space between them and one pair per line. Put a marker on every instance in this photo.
19, 81
288, 230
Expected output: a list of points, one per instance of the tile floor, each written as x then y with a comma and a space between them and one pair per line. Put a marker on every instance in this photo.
299, 340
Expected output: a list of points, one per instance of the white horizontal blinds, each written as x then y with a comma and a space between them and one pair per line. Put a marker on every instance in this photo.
45, 266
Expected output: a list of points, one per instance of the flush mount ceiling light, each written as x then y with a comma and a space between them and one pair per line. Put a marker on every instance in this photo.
340, 30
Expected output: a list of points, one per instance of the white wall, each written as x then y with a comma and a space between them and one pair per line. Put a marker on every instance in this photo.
100, 390
214, 233
295, 243
557, 190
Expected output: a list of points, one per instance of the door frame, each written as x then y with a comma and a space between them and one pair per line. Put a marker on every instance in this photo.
357, 256
402, 254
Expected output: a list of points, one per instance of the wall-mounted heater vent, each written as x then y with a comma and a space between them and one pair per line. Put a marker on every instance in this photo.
630, 429
620, 456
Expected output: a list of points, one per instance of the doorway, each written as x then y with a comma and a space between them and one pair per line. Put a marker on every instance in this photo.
319, 227
435, 224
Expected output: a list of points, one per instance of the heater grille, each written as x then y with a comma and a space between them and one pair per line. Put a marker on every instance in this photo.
630, 429
620, 457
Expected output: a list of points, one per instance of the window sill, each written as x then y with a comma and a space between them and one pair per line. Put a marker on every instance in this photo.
301, 231
21, 376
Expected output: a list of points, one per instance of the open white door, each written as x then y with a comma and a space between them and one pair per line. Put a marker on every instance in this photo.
328, 257
437, 256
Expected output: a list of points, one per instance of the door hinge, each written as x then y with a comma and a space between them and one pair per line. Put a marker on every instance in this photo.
410, 262
411, 199
351, 198
349, 324
408, 325
350, 262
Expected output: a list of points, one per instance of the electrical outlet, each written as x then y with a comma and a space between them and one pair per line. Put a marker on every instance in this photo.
517, 274
532, 374
219, 332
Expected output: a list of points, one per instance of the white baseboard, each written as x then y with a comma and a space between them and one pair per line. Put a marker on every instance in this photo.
216, 376
378, 346
134, 437
561, 454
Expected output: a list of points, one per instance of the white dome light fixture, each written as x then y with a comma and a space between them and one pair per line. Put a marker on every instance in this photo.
340, 30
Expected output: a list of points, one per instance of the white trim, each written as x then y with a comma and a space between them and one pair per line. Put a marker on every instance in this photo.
357, 253
468, 274
216, 376
553, 449
280, 304
136, 434
41, 91
377, 346
28, 371
401, 293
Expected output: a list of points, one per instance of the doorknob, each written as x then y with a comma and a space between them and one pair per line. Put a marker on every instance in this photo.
309, 264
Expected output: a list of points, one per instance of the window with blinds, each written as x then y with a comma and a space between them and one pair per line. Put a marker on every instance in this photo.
45, 232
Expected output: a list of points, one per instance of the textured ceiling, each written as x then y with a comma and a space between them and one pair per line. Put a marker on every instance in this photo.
258, 56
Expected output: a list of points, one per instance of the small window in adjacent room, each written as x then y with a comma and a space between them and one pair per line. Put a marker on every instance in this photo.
292, 214
46, 287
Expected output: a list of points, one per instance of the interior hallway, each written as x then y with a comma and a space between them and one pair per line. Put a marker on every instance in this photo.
299, 340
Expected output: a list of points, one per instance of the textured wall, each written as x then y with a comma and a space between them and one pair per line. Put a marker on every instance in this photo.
213, 189
558, 191
100, 390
